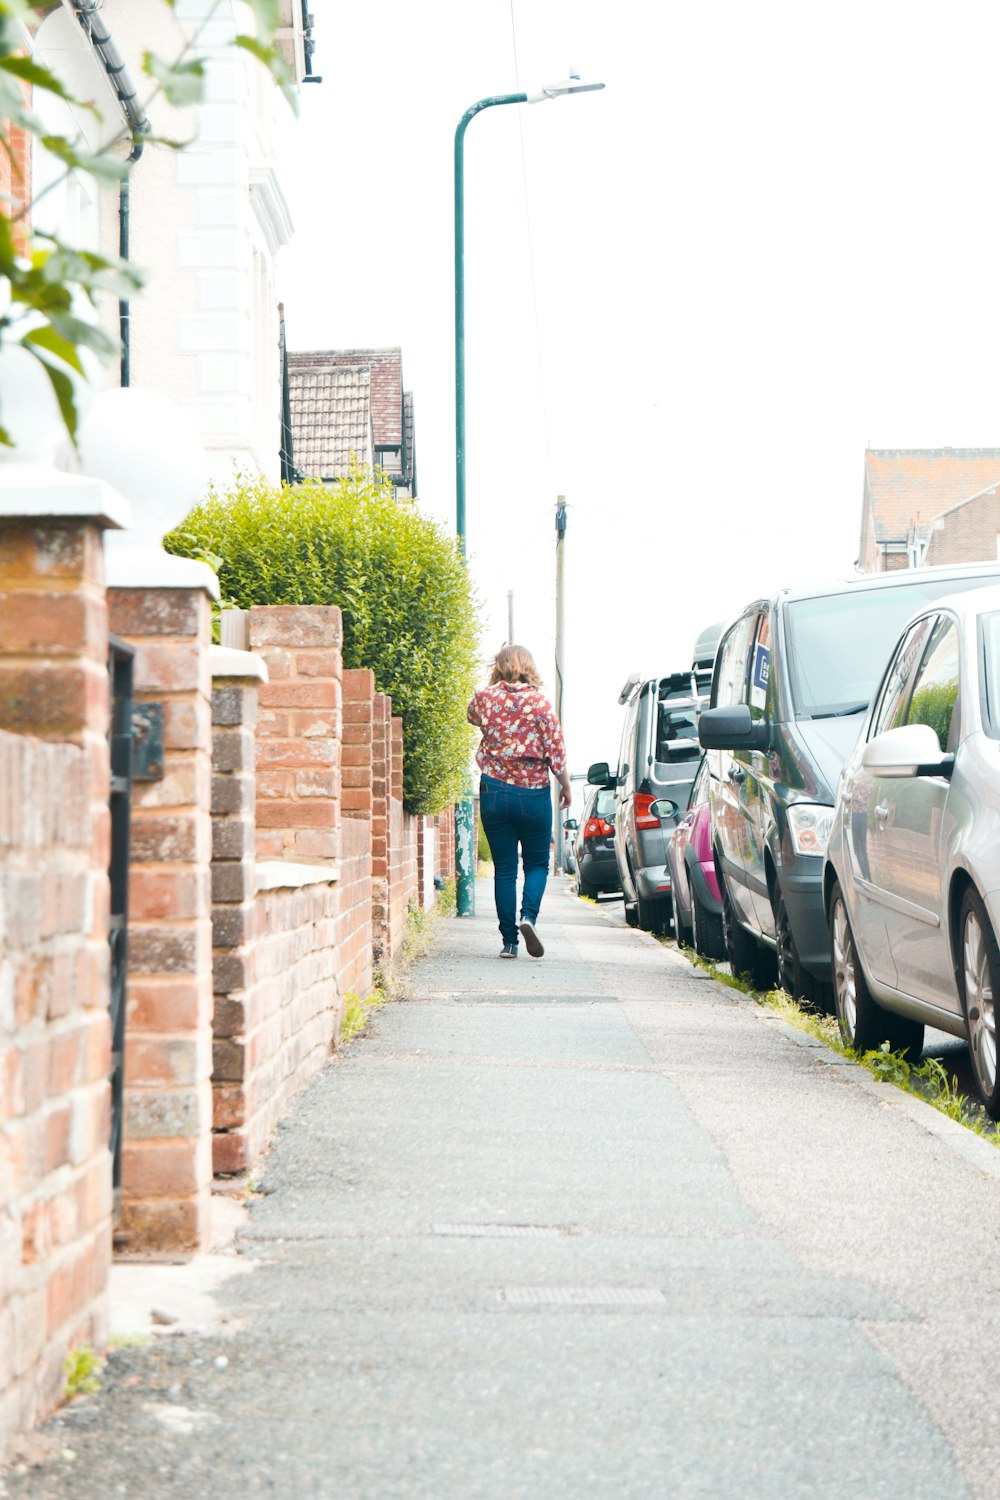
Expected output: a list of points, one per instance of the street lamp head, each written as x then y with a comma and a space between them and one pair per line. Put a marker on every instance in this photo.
570, 85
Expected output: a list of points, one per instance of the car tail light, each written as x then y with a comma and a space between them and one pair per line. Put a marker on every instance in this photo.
596, 828
644, 815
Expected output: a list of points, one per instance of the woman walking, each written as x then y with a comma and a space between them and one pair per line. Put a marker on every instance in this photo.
522, 742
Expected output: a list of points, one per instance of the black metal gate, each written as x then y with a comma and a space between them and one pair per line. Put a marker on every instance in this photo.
120, 656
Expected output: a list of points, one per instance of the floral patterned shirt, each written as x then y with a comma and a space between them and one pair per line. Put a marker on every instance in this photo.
522, 739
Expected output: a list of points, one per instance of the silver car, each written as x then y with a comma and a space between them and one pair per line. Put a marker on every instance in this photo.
912, 875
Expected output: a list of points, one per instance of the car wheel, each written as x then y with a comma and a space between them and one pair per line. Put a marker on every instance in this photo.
653, 916
681, 932
746, 956
793, 978
980, 979
864, 1024
585, 888
707, 936
631, 914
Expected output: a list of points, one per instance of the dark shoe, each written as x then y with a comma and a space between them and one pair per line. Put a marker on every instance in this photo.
532, 941
509, 950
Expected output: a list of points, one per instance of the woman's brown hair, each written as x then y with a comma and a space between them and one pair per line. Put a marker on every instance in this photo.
515, 664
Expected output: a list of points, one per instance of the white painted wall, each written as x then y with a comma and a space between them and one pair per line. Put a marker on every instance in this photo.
206, 225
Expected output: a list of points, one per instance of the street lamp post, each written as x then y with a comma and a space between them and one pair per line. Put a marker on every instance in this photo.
465, 864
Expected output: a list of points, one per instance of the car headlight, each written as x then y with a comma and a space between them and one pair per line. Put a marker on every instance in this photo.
809, 824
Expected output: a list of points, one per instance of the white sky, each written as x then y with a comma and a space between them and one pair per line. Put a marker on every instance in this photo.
771, 240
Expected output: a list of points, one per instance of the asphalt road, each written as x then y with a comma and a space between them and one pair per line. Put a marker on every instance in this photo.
593, 1226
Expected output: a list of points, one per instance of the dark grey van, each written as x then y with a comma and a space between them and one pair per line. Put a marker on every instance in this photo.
793, 678
656, 766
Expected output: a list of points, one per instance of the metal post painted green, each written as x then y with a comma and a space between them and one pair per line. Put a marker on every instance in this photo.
465, 854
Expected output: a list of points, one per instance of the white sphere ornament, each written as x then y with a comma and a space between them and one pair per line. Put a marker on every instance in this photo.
148, 448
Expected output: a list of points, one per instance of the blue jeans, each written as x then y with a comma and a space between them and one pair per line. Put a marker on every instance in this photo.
513, 815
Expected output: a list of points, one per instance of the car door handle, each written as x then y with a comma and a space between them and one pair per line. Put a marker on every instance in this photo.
881, 813
737, 774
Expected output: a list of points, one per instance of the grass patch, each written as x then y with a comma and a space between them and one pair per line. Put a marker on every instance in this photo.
927, 1080
390, 983
81, 1367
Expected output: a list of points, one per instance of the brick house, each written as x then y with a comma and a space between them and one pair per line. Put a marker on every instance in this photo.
908, 492
348, 403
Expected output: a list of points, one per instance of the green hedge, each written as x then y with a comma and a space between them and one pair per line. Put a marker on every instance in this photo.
407, 600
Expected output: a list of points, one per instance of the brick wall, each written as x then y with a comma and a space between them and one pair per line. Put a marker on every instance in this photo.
15, 177
969, 533
166, 1160
55, 1045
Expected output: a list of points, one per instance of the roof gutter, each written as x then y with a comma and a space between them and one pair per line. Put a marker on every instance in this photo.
88, 13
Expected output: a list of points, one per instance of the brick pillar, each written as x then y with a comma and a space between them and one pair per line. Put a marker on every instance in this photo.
234, 720
381, 827
298, 731
55, 1044
166, 1161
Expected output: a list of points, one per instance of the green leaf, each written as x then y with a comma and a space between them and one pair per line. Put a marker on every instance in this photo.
55, 343
267, 14
30, 71
63, 388
182, 82
275, 64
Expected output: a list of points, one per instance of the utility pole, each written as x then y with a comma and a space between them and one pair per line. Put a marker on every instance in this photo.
510, 617
560, 547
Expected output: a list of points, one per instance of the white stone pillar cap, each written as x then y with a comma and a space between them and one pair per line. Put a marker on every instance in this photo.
226, 661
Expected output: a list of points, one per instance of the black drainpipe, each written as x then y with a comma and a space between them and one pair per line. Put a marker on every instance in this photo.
88, 14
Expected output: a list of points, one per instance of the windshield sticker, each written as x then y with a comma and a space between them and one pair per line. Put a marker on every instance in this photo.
758, 682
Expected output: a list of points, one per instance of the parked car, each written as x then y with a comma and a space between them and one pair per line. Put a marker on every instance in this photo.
657, 762
793, 679
912, 875
594, 843
696, 904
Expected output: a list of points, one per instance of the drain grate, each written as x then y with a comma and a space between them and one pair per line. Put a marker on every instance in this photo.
580, 1296
501, 1231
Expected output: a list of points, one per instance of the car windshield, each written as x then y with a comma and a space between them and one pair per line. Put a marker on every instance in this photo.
838, 644
991, 672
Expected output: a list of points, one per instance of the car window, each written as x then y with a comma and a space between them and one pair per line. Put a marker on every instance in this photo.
677, 733
731, 670
935, 690
698, 791
626, 753
604, 805
760, 667
892, 700
838, 643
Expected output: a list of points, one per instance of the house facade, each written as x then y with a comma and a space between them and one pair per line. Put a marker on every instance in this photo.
347, 405
927, 505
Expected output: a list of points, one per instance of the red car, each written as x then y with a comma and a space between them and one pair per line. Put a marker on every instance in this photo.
694, 885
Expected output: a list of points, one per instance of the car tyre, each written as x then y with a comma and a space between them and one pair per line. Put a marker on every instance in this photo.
979, 982
864, 1024
746, 956
707, 936
653, 916
793, 978
586, 888
631, 914
682, 930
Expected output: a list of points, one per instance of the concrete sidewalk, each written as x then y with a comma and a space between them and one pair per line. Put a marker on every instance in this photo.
583, 1227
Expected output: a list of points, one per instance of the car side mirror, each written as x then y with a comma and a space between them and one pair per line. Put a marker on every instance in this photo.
732, 728
910, 750
664, 808
570, 825
599, 774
